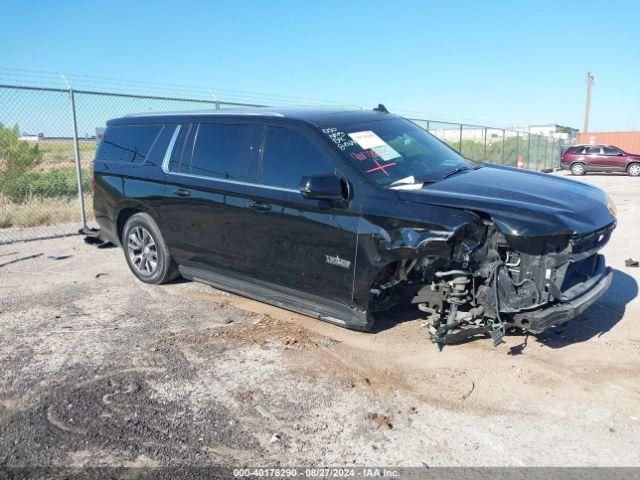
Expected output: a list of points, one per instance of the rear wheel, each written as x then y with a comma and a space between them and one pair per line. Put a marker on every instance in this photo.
146, 252
578, 169
634, 169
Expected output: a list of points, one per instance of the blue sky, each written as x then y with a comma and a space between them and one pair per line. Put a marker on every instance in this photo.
506, 63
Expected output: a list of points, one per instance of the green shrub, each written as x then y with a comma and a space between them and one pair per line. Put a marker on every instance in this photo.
16, 156
55, 183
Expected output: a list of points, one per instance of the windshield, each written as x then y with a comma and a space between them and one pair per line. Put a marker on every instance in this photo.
396, 151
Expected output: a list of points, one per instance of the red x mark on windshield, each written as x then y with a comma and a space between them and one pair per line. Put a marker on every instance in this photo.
381, 167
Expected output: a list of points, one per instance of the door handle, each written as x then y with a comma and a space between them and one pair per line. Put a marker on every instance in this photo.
181, 192
261, 206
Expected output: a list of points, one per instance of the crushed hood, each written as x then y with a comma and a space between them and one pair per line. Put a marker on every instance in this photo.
520, 202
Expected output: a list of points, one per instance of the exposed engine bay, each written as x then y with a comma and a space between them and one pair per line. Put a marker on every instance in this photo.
488, 283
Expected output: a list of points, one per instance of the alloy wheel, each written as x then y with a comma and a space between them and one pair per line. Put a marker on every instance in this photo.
577, 169
142, 251
634, 170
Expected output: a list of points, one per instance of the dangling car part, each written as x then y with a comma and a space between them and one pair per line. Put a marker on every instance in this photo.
495, 287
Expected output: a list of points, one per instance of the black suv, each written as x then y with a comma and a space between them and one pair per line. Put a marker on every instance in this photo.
343, 214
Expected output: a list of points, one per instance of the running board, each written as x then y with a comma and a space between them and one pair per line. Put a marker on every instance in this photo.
283, 297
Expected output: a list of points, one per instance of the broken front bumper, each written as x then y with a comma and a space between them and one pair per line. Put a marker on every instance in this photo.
539, 320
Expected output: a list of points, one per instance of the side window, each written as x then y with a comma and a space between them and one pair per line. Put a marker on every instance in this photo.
224, 151
593, 151
612, 151
288, 156
579, 150
127, 144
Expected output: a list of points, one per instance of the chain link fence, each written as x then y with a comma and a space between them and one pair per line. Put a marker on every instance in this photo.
514, 148
48, 138
39, 131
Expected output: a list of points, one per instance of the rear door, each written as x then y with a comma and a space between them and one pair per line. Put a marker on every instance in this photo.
126, 171
614, 158
305, 245
594, 157
206, 201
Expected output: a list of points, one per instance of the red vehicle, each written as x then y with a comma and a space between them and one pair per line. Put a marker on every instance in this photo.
581, 159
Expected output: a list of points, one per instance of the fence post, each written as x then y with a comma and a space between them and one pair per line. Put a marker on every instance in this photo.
528, 150
546, 153
537, 152
427, 125
517, 146
504, 136
215, 99
76, 151
460, 141
484, 158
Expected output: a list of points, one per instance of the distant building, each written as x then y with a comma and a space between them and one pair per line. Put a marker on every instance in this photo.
559, 132
27, 137
99, 134
452, 134
470, 132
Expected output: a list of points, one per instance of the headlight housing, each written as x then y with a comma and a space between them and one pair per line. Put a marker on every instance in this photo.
611, 206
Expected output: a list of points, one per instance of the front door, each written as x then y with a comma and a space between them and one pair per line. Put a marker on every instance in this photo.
305, 245
614, 158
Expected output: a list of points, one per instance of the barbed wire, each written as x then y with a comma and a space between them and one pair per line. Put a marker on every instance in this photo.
52, 79
43, 78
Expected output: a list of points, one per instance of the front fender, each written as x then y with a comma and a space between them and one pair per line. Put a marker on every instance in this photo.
385, 240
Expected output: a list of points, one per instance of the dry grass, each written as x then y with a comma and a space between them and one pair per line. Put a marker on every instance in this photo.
59, 154
37, 211
42, 211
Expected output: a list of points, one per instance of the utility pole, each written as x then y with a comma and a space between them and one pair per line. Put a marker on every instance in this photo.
591, 78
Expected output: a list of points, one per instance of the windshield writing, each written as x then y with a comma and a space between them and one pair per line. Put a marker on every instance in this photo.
395, 149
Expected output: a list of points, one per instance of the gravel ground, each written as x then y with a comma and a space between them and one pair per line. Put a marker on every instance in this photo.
100, 369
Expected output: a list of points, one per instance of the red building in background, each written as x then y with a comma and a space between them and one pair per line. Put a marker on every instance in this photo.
627, 141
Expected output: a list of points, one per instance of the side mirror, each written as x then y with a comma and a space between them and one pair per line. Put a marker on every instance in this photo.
325, 186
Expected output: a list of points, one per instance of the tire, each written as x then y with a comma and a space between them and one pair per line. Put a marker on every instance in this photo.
578, 169
633, 169
146, 251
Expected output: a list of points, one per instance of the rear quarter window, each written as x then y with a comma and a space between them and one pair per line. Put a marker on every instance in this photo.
127, 143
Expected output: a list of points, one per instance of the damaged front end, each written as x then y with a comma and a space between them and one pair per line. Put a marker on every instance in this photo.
484, 282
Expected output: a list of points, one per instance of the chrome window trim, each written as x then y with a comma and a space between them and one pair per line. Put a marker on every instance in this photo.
169, 152
236, 182
204, 113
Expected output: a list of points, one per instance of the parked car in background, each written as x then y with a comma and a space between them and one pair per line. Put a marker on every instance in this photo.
581, 159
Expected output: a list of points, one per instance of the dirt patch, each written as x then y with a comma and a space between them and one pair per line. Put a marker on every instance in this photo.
260, 329
382, 421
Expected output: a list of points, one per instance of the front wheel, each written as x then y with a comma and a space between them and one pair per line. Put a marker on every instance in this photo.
578, 169
146, 252
634, 170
